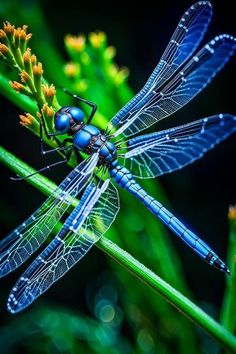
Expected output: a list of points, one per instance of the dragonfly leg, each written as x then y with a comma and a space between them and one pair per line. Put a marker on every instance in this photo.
89, 103
61, 144
43, 127
48, 167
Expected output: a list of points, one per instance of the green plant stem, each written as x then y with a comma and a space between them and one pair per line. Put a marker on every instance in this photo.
228, 318
182, 303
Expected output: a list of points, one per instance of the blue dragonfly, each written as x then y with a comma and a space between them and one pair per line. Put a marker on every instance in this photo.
115, 154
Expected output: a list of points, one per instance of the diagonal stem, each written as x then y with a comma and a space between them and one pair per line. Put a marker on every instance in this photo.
170, 294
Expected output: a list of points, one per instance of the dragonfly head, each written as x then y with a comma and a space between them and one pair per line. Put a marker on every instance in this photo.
66, 117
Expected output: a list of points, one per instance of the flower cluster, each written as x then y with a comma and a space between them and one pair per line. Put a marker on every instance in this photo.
15, 52
83, 51
93, 72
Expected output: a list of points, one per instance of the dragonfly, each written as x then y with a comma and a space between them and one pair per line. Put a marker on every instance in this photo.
120, 156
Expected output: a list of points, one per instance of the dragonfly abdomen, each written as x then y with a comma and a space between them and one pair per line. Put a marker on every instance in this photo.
190, 238
125, 179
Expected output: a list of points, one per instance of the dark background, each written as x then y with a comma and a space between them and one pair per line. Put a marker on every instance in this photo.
200, 193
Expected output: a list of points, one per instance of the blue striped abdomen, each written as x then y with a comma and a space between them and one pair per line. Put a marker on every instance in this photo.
124, 178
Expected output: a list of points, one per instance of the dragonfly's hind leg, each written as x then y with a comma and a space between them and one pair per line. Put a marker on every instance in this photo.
48, 167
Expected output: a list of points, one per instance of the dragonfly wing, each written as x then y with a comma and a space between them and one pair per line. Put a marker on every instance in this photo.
183, 43
185, 84
185, 40
86, 224
25, 239
152, 155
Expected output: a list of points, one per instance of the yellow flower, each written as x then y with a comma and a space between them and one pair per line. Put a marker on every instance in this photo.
72, 69
3, 49
27, 56
26, 119
38, 69
20, 88
49, 91
97, 39
33, 59
20, 33
232, 212
17, 86
2, 34
110, 52
48, 111
75, 42
24, 76
8, 28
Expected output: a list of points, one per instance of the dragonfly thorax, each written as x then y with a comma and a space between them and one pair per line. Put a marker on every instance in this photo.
90, 140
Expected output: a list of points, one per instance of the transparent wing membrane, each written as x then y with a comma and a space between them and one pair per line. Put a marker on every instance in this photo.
183, 43
155, 154
85, 225
159, 103
185, 40
24, 240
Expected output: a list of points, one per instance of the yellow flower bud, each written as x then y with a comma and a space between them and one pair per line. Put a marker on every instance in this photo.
27, 55
3, 49
75, 42
232, 212
49, 91
97, 39
17, 86
33, 59
8, 28
72, 69
38, 69
2, 34
24, 76
26, 119
48, 111
110, 52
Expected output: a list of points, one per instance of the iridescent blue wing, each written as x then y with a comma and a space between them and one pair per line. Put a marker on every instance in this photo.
160, 102
25, 239
152, 155
185, 40
86, 224
183, 43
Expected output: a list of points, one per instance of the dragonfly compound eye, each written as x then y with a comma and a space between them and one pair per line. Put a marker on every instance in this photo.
62, 123
77, 114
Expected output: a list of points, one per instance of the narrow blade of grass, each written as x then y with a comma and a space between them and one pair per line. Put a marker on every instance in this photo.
228, 318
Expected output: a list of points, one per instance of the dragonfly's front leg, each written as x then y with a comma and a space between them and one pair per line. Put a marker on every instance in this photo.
89, 103
125, 180
61, 145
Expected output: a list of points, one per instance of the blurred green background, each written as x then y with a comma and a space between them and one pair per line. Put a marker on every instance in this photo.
98, 306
